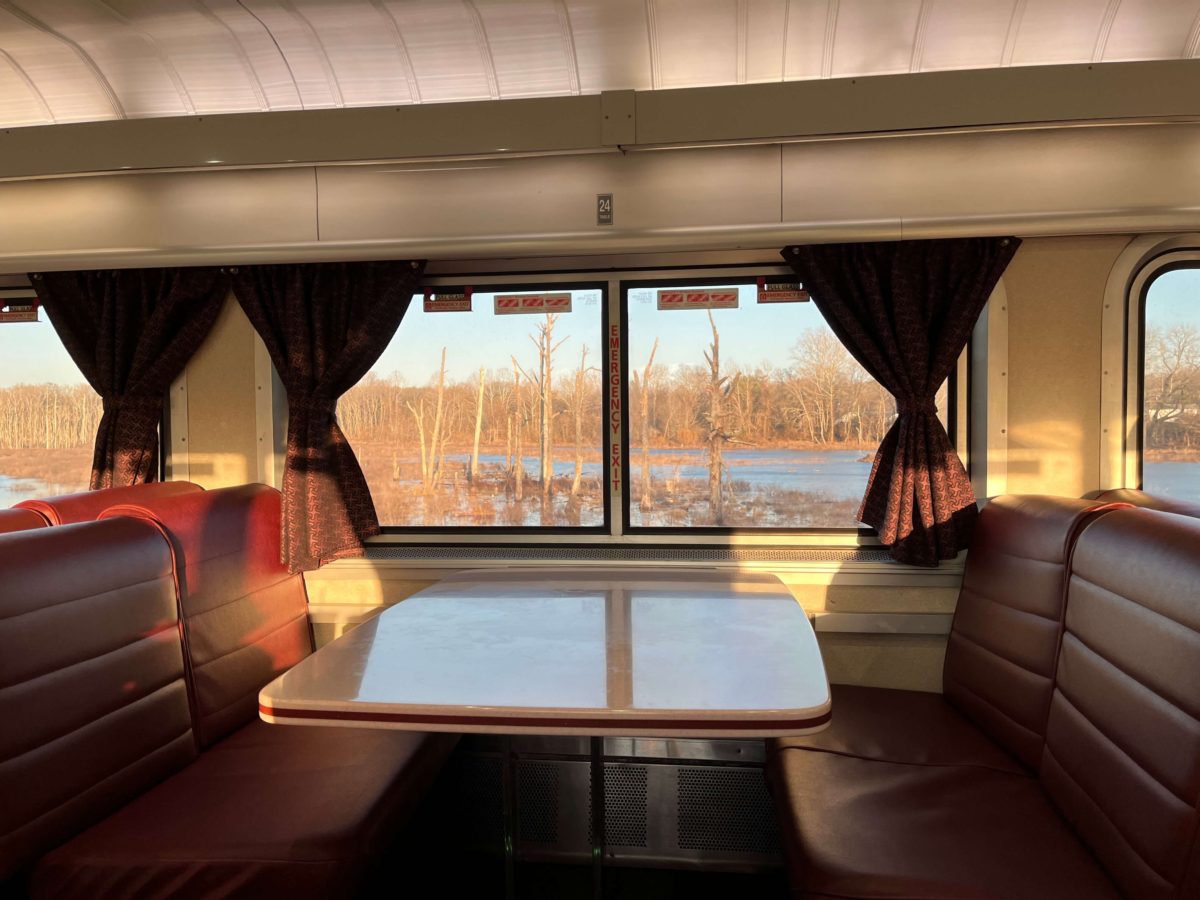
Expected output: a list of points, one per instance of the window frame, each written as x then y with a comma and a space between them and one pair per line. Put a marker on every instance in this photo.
610, 273
406, 532
1135, 370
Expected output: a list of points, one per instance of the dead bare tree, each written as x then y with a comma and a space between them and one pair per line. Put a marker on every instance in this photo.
518, 467
474, 470
719, 387
577, 400
641, 385
433, 456
544, 382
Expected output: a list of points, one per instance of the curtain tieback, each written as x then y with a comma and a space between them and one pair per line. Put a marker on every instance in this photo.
916, 407
132, 402
312, 405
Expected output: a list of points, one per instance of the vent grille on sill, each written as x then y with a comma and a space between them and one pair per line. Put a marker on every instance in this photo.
542, 553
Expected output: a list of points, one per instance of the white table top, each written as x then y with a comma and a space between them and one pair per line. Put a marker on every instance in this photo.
683, 653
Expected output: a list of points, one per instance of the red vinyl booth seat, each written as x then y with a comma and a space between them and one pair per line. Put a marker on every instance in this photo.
1109, 804
19, 520
1150, 501
264, 810
87, 506
92, 691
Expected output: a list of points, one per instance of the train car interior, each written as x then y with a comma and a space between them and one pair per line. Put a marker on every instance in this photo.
600, 449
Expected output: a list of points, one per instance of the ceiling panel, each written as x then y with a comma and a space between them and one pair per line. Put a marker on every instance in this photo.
1153, 29
763, 39
447, 49
357, 47
531, 47
304, 51
809, 24
612, 44
206, 55
141, 75
1059, 31
270, 68
875, 37
20, 102
696, 41
84, 60
966, 34
70, 90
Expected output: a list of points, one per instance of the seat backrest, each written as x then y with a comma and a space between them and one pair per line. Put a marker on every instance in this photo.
19, 520
1000, 658
1122, 757
1150, 501
93, 701
86, 506
245, 616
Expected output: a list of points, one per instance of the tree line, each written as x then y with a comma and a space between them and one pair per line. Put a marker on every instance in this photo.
818, 397
48, 416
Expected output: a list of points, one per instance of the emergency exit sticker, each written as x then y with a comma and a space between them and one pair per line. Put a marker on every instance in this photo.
781, 291
683, 299
515, 304
454, 300
18, 312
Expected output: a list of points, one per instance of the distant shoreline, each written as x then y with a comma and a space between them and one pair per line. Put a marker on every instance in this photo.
1179, 456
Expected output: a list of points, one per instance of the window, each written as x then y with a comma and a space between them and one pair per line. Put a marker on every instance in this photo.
744, 413
542, 405
485, 411
48, 413
1170, 382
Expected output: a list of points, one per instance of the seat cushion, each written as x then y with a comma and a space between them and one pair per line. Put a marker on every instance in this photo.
86, 506
911, 727
271, 811
19, 520
871, 830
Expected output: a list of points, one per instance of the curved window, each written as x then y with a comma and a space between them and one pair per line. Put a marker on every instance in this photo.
1170, 407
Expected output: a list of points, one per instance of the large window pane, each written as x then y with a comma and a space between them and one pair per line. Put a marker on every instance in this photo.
1171, 386
746, 417
485, 418
48, 415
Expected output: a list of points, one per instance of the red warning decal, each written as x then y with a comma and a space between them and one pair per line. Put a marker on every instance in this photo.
454, 300
720, 298
781, 291
509, 304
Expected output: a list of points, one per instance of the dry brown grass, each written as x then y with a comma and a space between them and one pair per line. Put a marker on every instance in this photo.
66, 470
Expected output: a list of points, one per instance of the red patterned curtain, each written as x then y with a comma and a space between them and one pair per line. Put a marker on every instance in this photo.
324, 326
905, 311
131, 332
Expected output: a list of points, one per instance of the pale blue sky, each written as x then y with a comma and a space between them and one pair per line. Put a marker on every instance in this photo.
31, 353
1174, 298
750, 335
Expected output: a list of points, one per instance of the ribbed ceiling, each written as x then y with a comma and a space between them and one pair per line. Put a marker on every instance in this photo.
87, 60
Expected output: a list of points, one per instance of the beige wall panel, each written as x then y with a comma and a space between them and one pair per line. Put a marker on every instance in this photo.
555, 196
872, 599
221, 432
908, 662
1059, 177
1056, 303
117, 214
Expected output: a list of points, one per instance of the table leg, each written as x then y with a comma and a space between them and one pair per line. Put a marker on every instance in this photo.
509, 781
597, 748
